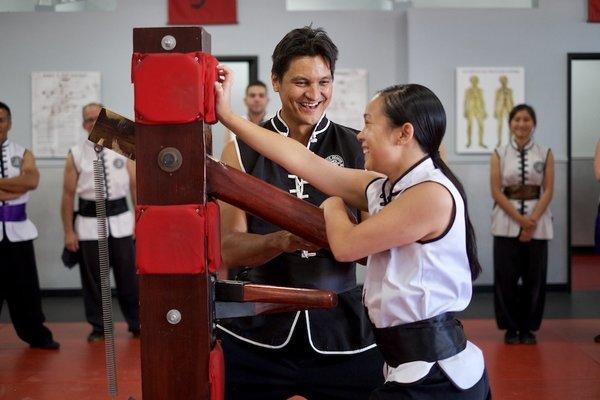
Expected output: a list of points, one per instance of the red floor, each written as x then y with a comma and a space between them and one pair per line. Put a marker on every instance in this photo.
564, 365
585, 271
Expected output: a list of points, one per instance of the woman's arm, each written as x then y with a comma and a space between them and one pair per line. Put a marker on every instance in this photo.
421, 212
548, 186
292, 155
500, 198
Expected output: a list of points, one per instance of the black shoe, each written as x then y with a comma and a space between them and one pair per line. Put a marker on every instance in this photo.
597, 339
511, 337
51, 345
527, 338
95, 336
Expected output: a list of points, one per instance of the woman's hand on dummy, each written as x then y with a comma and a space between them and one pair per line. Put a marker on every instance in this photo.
333, 203
223, 91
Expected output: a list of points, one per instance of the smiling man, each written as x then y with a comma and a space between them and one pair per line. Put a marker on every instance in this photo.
319, 354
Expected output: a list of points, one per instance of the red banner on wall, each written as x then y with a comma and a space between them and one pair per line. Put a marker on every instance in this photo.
593, 10
202, 12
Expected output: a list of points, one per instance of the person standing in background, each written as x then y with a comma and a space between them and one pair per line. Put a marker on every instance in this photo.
522, 185
19, 283
119, 175
256, 101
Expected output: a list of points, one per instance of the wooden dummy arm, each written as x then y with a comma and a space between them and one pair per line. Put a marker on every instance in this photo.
266, 201
235, 299
117, 133
249, 292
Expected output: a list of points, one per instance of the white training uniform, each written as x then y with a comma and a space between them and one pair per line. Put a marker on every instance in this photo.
117, 187
12, 159
522, 167
421, 280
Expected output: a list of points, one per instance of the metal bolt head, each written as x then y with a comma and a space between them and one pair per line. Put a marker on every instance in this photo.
168, 42
173, 317
169, 159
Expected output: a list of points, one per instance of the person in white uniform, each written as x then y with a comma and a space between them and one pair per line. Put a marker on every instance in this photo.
83, 234
19, 284
420, 242
522, 185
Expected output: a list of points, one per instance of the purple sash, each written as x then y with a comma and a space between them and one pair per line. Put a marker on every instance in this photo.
12, 213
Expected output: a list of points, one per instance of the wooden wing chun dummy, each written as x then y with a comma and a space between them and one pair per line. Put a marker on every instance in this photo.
177, 223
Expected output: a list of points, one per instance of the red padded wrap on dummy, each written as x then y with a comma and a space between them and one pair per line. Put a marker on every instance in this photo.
216, 372
174, 88
213, 230
170, 239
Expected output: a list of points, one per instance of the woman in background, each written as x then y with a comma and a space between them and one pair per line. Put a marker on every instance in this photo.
522, 182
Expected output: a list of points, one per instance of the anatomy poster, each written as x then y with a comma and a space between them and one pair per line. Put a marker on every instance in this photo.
484, 98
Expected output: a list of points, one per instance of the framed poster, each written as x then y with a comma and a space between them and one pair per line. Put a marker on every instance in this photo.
349, 98
57, 98
245, 69
484, 98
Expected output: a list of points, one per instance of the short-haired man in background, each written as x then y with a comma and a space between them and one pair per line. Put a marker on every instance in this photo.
19, 284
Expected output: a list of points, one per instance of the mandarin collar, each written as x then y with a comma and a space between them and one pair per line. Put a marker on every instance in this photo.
388, 191
281, 127
527, 146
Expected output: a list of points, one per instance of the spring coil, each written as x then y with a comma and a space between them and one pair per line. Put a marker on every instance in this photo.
109, 341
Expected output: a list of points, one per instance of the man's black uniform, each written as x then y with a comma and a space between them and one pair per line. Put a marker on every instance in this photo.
320, 354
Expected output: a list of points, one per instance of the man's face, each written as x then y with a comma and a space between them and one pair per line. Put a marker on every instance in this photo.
5, 124
90, 115
305, 90
256, 99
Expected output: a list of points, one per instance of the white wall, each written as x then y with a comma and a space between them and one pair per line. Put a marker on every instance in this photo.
421, 45
101, 41
439, 40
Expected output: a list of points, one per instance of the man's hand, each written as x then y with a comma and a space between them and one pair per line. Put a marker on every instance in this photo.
71, 241
289, 243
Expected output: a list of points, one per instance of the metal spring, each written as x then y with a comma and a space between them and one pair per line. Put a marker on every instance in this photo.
109, 340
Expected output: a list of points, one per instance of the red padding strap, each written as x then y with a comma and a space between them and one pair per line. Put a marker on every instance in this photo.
213, 229
174, 88
216, 372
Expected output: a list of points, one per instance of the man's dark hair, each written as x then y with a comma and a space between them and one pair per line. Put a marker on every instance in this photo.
256, 83
302, 42
3, 106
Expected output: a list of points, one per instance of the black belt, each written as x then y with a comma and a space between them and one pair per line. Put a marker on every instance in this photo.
87, 208
522, 192
428, 340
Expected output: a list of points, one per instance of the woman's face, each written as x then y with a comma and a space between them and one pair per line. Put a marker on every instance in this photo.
521, 125
376, 138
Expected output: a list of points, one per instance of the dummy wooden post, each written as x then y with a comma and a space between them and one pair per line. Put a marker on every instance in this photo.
176, 322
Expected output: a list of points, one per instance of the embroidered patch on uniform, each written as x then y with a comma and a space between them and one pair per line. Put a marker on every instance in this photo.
336, 160
539, 167
16, 161
118, 163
